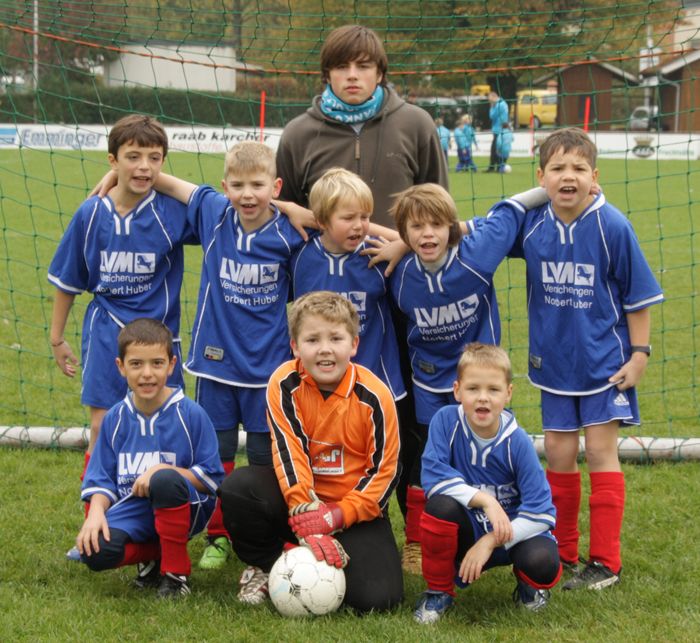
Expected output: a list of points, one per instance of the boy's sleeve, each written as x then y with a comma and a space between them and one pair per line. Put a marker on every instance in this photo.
207, 463
101, 473
369, 497
204, 210
639, 287
438, 477
290, 452
535, 495
68, 270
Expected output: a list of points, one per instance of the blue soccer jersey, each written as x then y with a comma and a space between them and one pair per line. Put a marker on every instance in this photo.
180, 434
457, 464
314, 268
582, 279
240, 331
455, 305
133, 265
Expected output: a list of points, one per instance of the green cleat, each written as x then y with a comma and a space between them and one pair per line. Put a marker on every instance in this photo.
216, 553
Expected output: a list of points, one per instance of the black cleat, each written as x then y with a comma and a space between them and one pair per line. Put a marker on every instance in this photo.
148, 575
594, 575
173, 586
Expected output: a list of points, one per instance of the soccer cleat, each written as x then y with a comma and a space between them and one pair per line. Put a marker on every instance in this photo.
529, 597
253, 586
148, 575
73, 555
173, 586
216, 553
571, 567
594, 575
431, 606
412, 558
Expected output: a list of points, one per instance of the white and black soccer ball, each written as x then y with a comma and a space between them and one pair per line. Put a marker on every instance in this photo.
507, 168
300, 585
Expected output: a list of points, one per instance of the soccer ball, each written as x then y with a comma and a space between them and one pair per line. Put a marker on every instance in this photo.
300, 585
507, 168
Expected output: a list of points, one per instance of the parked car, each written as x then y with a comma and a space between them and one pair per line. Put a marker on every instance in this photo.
646, 118
540, 105
448, 109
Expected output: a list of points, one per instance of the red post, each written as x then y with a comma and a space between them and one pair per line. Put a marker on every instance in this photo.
587, 114
262, 116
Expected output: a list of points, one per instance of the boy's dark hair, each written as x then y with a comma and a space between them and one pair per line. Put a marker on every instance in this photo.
139, 129
426, 201
353, 43
145, 331
567, 139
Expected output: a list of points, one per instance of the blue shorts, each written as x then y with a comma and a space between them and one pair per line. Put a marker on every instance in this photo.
135, 516
571, 412
103, 384
228, 406
429, 403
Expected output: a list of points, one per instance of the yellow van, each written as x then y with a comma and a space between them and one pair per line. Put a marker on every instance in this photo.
538, 104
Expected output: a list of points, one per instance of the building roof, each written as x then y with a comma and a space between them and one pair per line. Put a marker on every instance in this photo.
674, 64
623, 75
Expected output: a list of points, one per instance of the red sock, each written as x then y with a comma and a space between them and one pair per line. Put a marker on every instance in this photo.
82, 477
415, 502
521, 575
566, 495
172, 527
439, 549
215, 526
607, 505
140, 553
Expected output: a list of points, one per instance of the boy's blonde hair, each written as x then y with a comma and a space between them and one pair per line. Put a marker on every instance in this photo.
426, 202
568, 139
248, 157
466, 119
485, 355
336, 187
326, 304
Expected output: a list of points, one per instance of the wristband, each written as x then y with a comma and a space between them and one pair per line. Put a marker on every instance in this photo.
57, 344
646, 349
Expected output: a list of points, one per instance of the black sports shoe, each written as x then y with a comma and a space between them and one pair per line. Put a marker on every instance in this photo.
173, 586
148, 575
594, 575
530, 598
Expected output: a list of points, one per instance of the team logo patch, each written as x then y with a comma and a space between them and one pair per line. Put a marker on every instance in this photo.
535, 361
329, 461
213, 353
358, 299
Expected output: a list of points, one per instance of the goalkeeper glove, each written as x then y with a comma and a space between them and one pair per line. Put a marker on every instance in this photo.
328, 549
315, 517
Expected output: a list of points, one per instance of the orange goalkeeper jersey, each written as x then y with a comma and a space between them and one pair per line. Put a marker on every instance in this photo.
345, 447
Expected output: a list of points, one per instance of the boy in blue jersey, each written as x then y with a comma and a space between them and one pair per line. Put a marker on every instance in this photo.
445, 137
240, 330
464, 139
589, 292
333, 259
505, 143
498, 114
444, 287
126, 249
152, 480
488, 499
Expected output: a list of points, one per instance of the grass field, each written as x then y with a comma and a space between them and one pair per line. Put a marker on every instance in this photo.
39, 192
45, 598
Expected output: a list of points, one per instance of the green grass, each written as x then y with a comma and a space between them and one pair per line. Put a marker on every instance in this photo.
39, 192
45, 598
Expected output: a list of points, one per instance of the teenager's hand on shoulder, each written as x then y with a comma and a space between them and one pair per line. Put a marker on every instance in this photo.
105, 184
65, 358
595, 188
299, 216
87, 540
631, 372
476, 557
382, 249
325, 547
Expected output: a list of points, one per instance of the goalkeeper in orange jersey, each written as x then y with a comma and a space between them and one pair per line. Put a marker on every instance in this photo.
335, 451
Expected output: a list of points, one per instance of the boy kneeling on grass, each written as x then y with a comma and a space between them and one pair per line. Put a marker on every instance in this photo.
488, 501
153, 476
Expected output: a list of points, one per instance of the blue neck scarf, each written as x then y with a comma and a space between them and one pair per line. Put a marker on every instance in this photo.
343, 112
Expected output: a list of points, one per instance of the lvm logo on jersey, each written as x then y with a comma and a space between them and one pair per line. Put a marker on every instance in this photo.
131, 465
248, 273
447, 315
357, 298
122, 261
573, 280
